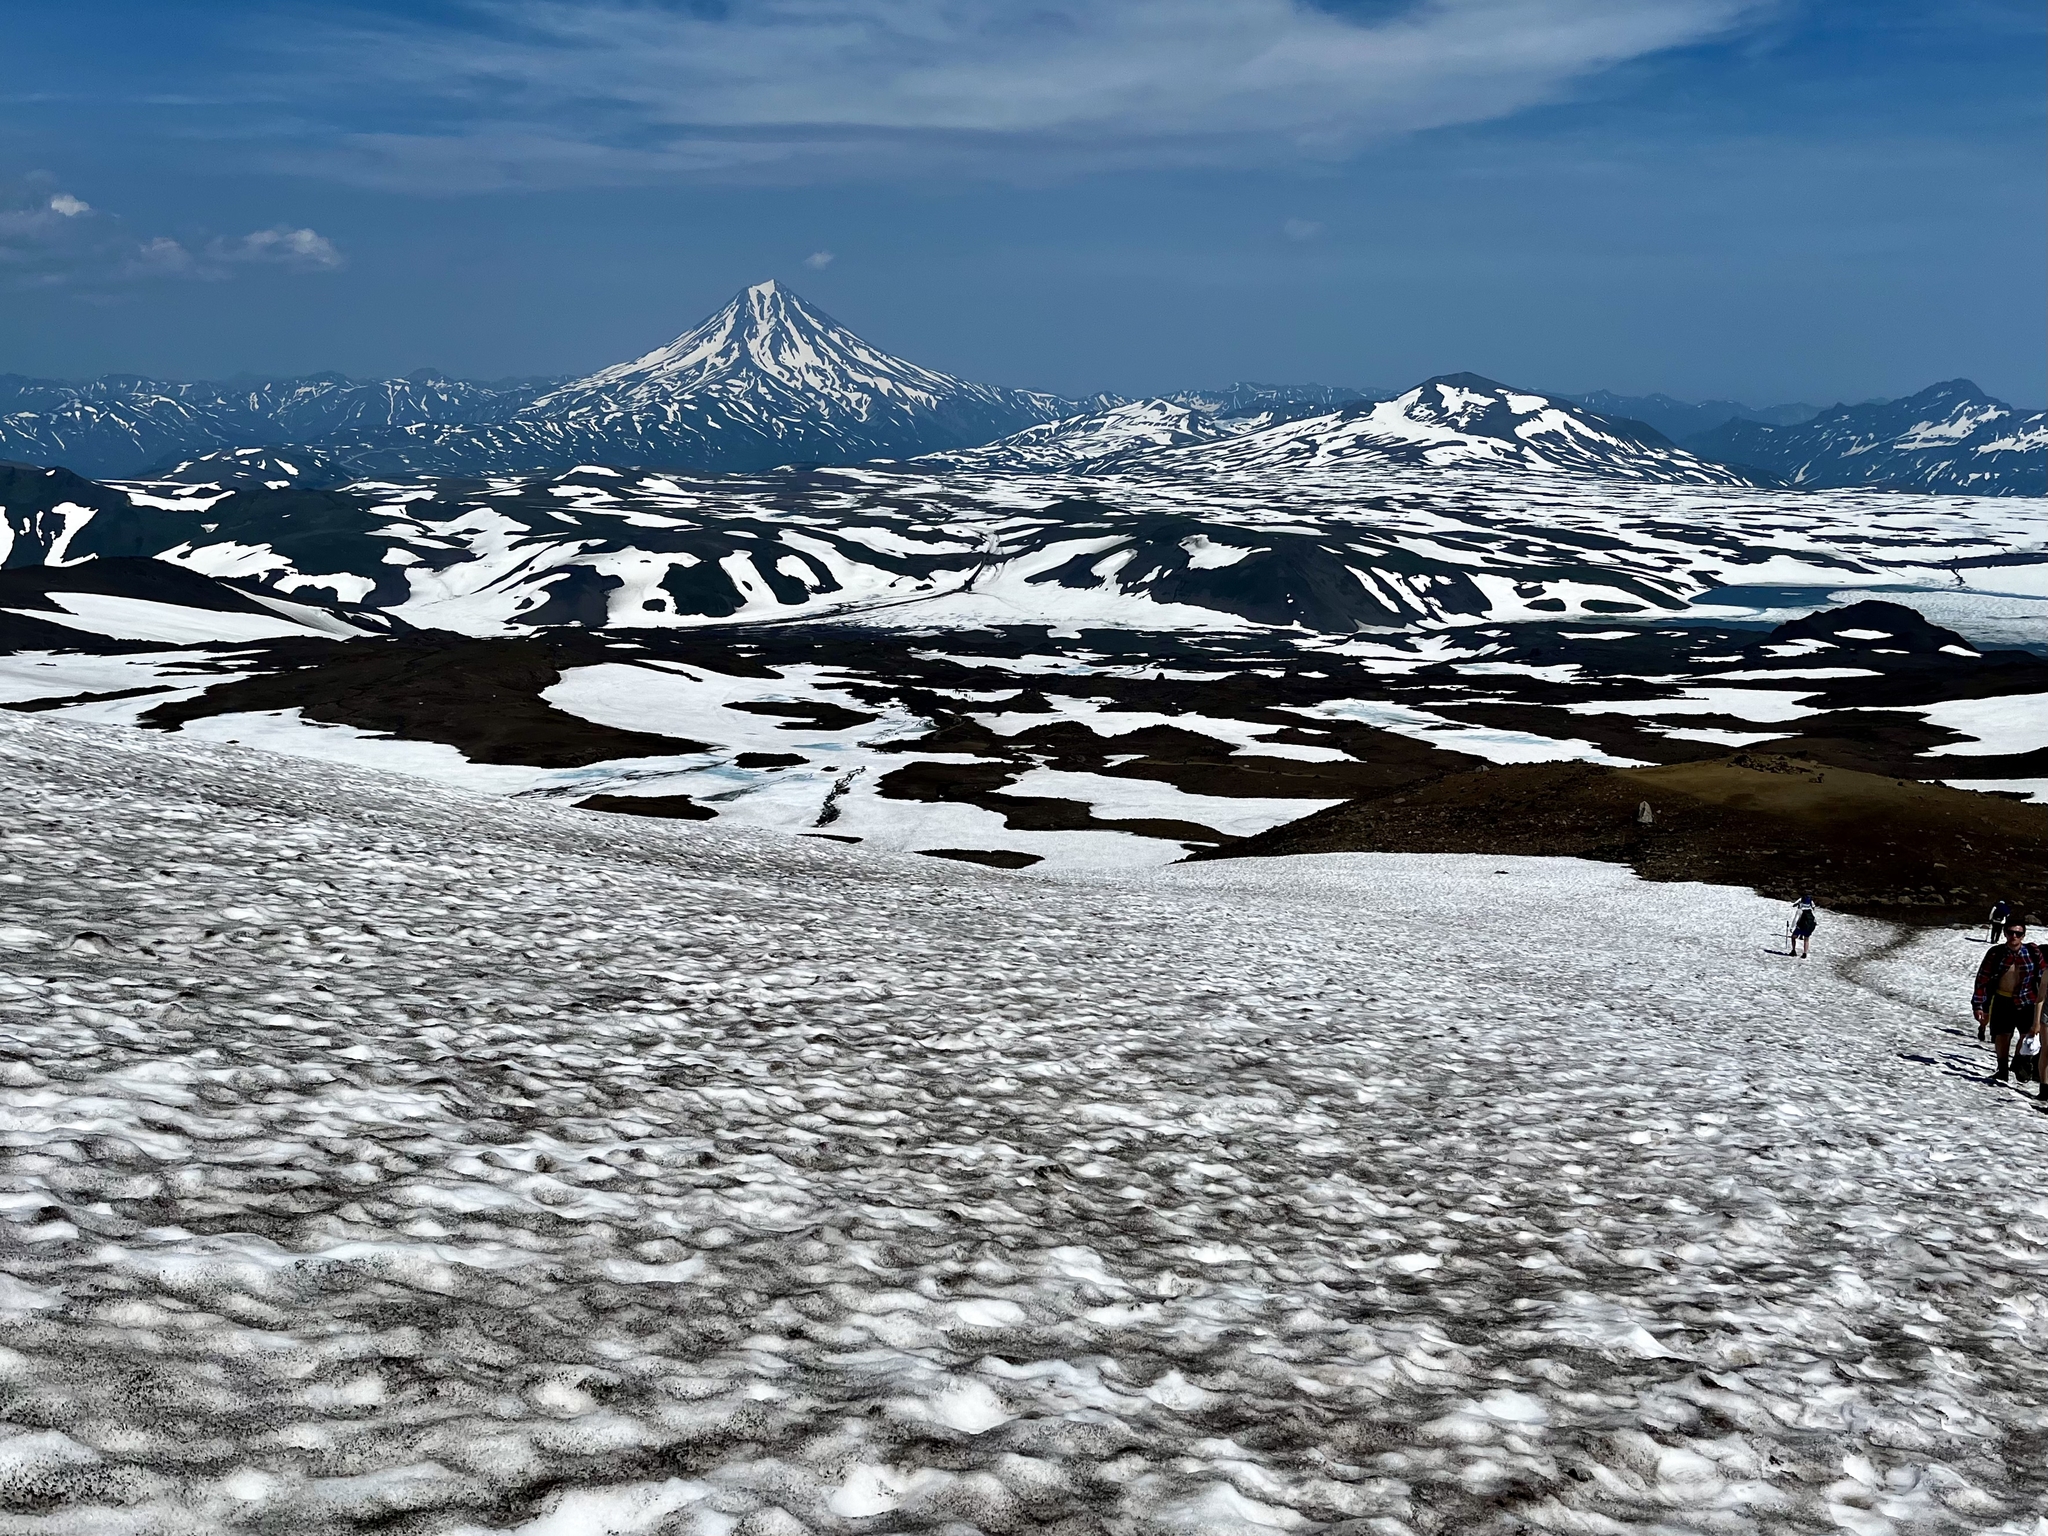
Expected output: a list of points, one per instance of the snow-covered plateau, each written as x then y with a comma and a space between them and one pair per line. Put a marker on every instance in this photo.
1284, 528
386, 1157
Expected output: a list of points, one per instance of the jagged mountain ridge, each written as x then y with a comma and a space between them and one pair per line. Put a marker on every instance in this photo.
123, 424
1949, 437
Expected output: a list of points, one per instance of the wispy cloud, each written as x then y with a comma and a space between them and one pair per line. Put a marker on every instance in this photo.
561, 91
52, 238
1301, 229
302, 249
818, 261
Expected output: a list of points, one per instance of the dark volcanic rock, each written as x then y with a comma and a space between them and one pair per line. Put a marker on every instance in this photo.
30, 491
1873, 625
480, 696
674, 807
995, 858
807, 714
997, 721
154, 581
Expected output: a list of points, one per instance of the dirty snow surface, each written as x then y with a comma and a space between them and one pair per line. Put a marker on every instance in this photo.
383, 1157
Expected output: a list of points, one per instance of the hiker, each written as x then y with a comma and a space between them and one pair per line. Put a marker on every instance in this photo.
2008, 996
1803, 924
2000, 911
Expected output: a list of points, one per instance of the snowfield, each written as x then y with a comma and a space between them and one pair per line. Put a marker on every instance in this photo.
382, 1156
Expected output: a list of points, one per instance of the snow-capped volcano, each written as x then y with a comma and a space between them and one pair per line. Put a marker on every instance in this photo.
766, 347
768, 380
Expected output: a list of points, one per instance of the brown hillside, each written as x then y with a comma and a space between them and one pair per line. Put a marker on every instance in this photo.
1860, 842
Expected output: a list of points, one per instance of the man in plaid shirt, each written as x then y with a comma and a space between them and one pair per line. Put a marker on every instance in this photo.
2010, 991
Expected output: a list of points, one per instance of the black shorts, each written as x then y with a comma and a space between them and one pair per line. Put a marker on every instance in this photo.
1803, 929
2007, 1017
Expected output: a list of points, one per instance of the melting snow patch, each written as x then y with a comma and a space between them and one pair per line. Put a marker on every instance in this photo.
1763, 705
1495, 746
1205, 554
135, 618
2011, 724
1114, 798
2032, 789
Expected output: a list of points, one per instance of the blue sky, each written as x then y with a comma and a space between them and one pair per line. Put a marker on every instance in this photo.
1764, 199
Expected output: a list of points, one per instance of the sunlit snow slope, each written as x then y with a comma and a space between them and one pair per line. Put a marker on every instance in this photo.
384, 1158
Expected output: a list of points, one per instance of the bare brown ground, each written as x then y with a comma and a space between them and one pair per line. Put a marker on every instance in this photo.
1859, 842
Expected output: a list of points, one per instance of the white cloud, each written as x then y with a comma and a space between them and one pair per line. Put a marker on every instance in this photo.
1301, 229
302, 248
161, 257
579, 90
818, 261
57, 240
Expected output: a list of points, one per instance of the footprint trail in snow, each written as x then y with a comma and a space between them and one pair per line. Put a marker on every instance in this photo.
375, 1156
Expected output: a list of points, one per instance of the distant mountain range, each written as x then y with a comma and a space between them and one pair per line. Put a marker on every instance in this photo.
1238, 400
1949, 437
1680, 420
1457, 502
1462, 418
770, 381
123, 424
1459, 419
767, 380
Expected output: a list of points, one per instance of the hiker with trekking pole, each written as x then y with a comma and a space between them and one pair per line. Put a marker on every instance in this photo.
2007, 999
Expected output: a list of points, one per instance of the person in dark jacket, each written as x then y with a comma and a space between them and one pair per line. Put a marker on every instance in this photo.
1803, 923
2000, 911
2009, 993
